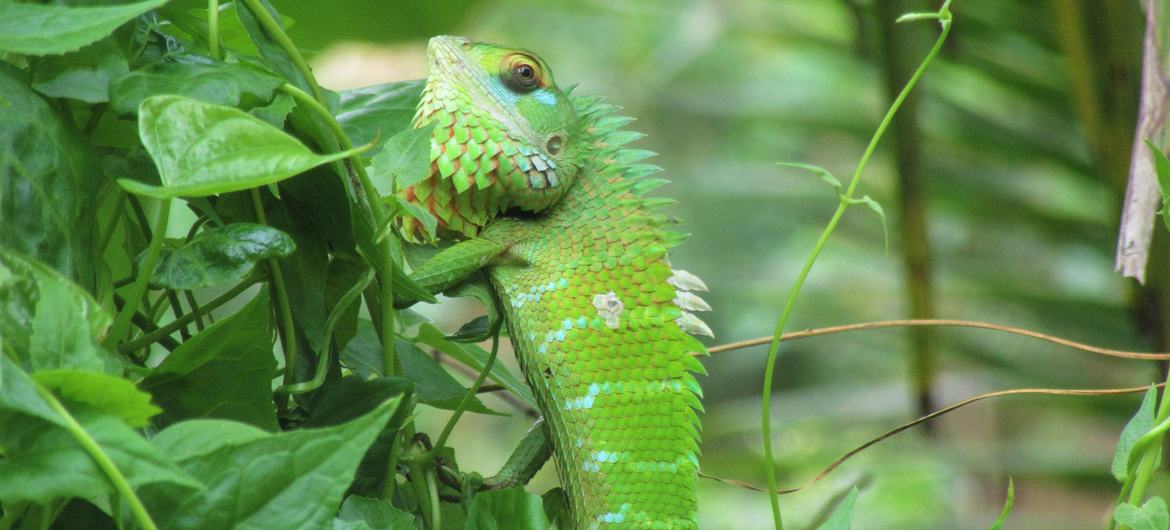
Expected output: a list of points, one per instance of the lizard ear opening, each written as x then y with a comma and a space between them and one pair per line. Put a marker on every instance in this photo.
554, 144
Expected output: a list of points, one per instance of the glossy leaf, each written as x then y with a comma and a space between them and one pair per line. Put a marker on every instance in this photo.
47, 182
193, 438
223, 372
203, 149
288, 480
220, 255
228, 84
38, 29
48, 322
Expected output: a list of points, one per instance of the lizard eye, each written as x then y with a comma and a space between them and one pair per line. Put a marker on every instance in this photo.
521, 74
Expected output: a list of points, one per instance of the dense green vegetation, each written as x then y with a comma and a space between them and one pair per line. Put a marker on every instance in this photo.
256, 375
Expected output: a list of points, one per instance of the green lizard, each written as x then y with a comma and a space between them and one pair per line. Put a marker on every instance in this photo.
546, 200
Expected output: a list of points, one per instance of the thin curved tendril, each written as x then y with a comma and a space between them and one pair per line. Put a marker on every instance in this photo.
950, 408
862, 326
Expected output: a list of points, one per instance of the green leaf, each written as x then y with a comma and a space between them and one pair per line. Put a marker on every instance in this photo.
84, 75
203, 149
39, 453
19, 393
842, 516
821, 172
1138, 426
475, 357
289, 480
363, 353
417, 211
877, 208
404, 159
556, 508
1162, 171
362, 513
1152, 515
37, 29
48, 322
220, 255
506, 509
229, 84
112, 395
194, 438
276, 112
433, 385
377, 111
223, 372
48, 179
1007, 506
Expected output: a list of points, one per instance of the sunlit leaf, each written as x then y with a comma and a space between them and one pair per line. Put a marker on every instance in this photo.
107, 393
203, 149
512, 508
40, 29
1138, 426
1153, 515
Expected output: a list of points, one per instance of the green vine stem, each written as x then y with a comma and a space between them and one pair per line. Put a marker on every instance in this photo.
288, 332
213, 29
377, 214
142, 282
166, 331
1143, 458
844, 202
471, 392
100, 458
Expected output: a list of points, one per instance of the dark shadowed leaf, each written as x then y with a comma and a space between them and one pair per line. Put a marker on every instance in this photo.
48, 178
361, 513
36, 29
37, 454
474, 357
222, 84
223, 372
433, 385
192, 438
276, 112
203, 149
288, 480
379, 110
1152, 515
506, 509
112, 395
220, 255
48, 322
83, 75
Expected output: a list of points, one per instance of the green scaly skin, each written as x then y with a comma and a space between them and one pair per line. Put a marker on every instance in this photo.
597, 316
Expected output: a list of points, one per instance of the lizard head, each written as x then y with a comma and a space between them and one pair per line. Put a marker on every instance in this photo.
505, 136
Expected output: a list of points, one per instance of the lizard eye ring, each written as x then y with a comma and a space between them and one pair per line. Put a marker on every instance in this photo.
521, 74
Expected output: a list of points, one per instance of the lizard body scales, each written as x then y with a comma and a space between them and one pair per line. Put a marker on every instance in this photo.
598, 318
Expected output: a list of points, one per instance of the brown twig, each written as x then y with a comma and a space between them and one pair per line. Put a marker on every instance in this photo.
905, 426
942, 322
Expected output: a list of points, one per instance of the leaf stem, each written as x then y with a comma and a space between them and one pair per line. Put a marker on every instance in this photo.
385, 261
100, 458
471, 392
171, 327
142, 282
288, 332
213, 28
843, 203
274, 30
1151, 446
